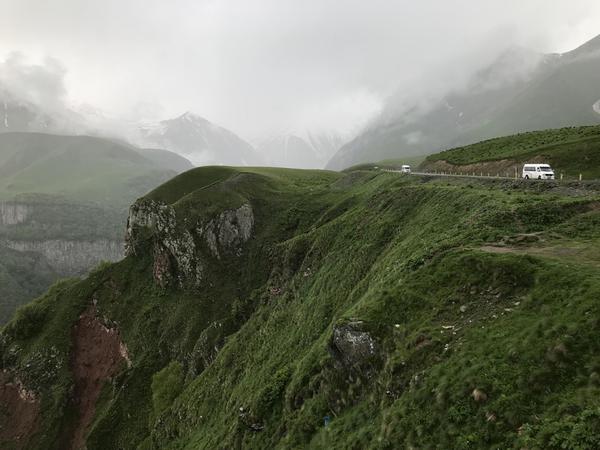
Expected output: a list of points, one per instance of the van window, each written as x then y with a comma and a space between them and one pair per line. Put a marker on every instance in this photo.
546, 169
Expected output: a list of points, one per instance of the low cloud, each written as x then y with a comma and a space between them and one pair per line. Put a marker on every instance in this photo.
265, 65
42, 85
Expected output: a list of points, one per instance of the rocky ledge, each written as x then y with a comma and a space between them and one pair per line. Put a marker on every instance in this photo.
178, 247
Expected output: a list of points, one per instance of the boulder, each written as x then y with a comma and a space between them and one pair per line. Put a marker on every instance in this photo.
353, 346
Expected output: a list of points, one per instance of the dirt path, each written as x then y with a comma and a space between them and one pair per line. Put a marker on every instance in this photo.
574, 252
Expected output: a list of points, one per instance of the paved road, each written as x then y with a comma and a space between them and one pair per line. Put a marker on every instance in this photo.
456, 175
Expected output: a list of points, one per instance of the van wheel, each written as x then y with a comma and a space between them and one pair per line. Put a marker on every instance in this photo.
539, 178
527, 177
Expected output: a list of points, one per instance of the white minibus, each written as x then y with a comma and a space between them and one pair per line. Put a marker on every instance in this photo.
538, 172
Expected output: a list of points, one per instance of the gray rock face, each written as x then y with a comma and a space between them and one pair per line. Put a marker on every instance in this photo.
173, 247
229, 231
353, 346
206, 349
71, 258
176, 247
13, 213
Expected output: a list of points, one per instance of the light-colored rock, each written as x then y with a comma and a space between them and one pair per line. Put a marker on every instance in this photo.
352, 345
157, 221
479, 395
14, 213
176, 254
229, 231
70, 257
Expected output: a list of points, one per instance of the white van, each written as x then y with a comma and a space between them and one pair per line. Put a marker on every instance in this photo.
538, 172
405, 168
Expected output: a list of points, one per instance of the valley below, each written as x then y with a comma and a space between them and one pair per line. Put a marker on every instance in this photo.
63, 206
45, 239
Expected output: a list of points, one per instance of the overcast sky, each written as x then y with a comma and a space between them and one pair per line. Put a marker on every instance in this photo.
257, 66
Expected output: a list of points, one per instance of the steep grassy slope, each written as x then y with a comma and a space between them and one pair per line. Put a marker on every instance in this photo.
569, 150
258, 305
23, 276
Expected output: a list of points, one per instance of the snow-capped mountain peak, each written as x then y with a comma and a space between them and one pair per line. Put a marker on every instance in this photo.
199, 140
299, 148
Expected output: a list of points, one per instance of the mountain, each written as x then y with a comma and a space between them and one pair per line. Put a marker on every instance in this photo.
279, 308
63, 203
306, 150
522, 91
163, 159
18, 115
81, 167
189, 135
21, 116
200, 141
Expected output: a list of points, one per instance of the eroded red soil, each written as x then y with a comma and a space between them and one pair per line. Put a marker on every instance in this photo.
19, 412
98, 355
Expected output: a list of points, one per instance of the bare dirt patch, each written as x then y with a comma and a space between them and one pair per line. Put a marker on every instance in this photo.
579, 253
97, 356
19, 412
499, 249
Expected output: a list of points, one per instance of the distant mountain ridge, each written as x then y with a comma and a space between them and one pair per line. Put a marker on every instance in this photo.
200, 140
307, 150
81, 167
189, 135
522, 91
21, 116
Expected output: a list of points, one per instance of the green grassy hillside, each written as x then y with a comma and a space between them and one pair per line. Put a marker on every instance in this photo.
364, 310
571, 150
81, 168
23, 276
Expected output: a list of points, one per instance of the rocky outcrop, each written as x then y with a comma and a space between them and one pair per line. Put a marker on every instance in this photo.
206, 349
177, 247
173, 246
354, 347
14, 213
70, 257
229, 231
